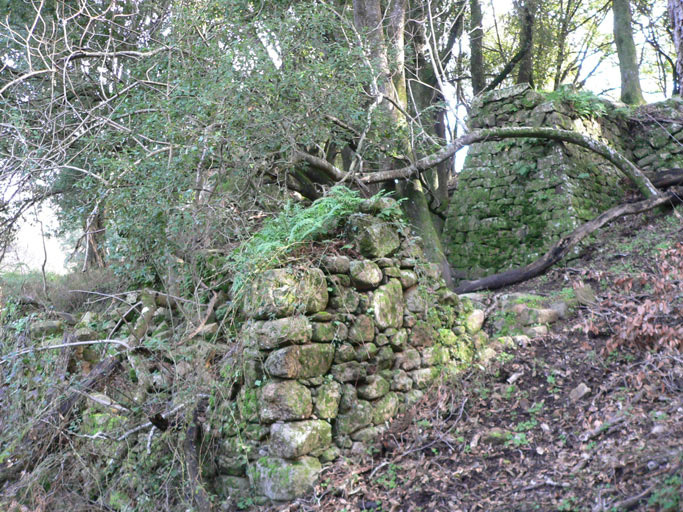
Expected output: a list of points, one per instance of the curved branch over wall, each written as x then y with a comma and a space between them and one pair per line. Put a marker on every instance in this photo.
627, 167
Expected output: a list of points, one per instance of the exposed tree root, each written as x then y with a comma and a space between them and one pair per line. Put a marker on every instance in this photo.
565, 244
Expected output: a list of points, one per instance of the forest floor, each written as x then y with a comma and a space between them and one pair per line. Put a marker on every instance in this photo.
518, 435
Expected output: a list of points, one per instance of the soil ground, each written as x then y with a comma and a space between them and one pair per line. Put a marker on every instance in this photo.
509, 436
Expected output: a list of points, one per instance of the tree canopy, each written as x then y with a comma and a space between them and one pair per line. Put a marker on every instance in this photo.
162, 129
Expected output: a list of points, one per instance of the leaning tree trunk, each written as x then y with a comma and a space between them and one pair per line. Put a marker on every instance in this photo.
561, 248
631, 94
676, 17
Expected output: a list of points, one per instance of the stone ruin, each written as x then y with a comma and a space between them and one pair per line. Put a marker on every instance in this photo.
331, 354
516, 197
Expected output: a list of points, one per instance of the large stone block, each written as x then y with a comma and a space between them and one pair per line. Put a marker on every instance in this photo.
349, 372
365, 274
46, 328
284, 291
356, 418
327, 400
271, 334
373, 237
294, 439
362, 330
285, 401
300, 361
387, 305
422, 334
385, 408
284, 480
374, 387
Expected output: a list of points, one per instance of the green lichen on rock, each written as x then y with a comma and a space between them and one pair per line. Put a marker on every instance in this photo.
271, 334
517, 197
300, 361
283, 480
296, 438
385, 408
287, 400
42, 328
359, 416
365, 274
387, 305
375, 387
327, 400
362, 330
373, 237
285, 291
423, 334
424, 377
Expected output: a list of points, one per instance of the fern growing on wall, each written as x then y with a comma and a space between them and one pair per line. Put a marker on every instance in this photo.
292, 228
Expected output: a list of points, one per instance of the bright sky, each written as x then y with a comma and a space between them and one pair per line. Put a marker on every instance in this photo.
28, 252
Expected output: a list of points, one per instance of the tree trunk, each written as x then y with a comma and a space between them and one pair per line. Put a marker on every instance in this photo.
527, 12
369, 18
631, 94
676, 17
476, 48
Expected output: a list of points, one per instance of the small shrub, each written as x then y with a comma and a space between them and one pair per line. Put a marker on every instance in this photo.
68, 293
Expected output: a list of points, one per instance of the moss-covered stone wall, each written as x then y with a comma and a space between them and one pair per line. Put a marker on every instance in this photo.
516, 197
332, 352
655, 136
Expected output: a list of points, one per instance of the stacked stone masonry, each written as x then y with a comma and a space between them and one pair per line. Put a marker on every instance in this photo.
518, 196
332, 354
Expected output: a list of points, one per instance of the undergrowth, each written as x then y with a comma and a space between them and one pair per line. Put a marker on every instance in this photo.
68, 293
292, 228
645, 311
584, 103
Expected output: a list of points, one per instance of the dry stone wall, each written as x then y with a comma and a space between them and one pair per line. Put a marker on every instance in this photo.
518, 196
331, 354
656, 136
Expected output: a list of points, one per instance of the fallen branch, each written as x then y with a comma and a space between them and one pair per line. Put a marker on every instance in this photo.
64, 345
148, 424
209, 310
668, 178
633, 501
565, 244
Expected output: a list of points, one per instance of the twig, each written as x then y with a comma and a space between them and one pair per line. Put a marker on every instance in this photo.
209, 310
148, 424
547, 481
64, 345
404, 454
606, 427
631, 502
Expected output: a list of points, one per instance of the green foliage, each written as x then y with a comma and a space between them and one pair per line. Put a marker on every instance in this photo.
389, 479
584, 103
289, 230
668, 497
